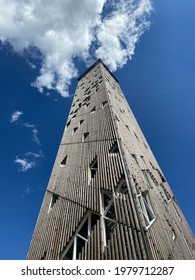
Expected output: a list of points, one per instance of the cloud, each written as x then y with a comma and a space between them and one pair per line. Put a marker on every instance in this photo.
35, 155
15, 116
34, 131
120, 31
29, 160
24, 164
61, 32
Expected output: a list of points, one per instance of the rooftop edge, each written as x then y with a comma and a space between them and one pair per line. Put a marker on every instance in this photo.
92, 66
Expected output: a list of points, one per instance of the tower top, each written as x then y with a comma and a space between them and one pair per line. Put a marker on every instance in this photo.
93, 65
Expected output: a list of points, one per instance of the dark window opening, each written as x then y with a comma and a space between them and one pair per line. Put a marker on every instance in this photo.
69, 254
75, 129
111, 212
127, 126
84, 230
114, 149
80, 244
55, 197
68, 123
44, 256
94, 167
109, 227
104, 103
106, 200
64, 161
80, 238
85, 136
81, 121
109, 217
93, 110
87, 99
122, 188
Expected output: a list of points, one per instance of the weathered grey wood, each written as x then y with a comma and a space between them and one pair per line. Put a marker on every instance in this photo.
80, 189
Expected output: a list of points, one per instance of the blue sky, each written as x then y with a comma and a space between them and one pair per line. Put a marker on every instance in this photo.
158, 82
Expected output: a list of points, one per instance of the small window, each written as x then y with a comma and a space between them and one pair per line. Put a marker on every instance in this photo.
146, 208
81, 121
54, 198
122, 187
94, 167
44, 256
75, 129
104, 103
93, 110
85, 136
68, 123
114, 149
63, 161
87, 99
127, 126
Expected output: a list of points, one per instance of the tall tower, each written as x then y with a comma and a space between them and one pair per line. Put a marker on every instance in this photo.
107, 197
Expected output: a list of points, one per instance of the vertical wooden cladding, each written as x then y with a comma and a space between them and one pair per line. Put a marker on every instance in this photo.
138, 160
89, 181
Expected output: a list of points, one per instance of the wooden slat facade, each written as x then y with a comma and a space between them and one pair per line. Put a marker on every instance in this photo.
107, 197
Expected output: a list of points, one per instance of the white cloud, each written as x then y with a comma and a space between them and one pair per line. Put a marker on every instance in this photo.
121, 30
15, 116
25, 164
67, 29
34, 131
29, 160
35, 155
